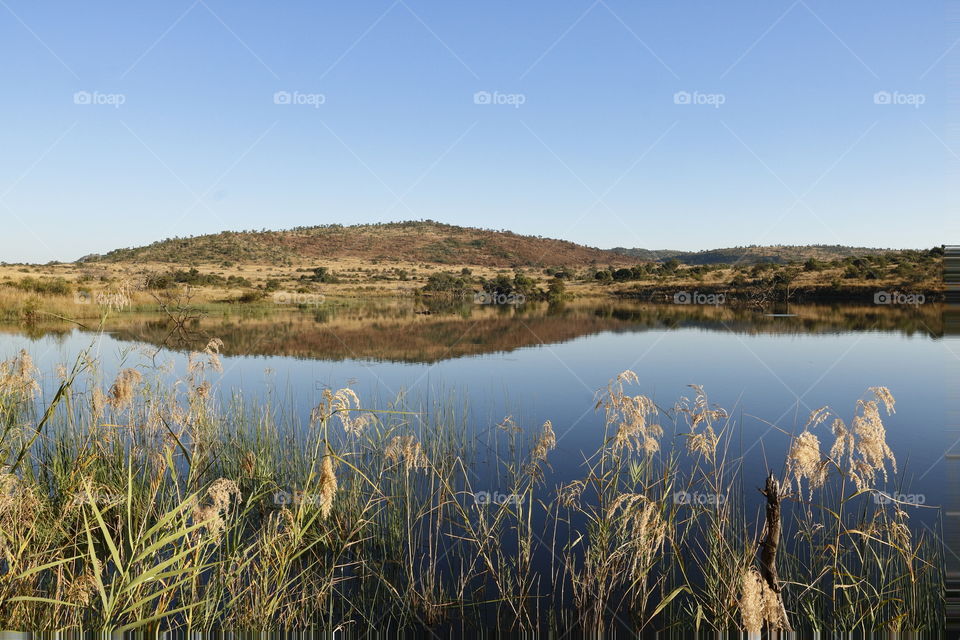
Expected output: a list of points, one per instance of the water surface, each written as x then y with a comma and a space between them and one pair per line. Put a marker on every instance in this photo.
768, 368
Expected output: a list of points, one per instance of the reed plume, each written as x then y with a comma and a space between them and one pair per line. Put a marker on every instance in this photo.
327, 487
224, 494
186, 524
629, 415
121, 392
18, 377
406, 450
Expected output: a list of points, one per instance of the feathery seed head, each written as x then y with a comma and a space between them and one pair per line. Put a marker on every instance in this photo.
18, 377
223, 494
804, 461
121, 393
546, 443
406, 450
752, 613
328, 486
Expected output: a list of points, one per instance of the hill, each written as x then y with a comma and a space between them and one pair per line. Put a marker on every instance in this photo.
419, 242
775, 254
429, 242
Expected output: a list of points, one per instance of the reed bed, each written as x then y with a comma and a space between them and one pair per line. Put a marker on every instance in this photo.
158, 504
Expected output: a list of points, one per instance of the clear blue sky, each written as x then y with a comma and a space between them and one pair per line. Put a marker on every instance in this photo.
599, 151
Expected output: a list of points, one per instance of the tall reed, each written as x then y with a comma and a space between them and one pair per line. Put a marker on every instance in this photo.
156, 504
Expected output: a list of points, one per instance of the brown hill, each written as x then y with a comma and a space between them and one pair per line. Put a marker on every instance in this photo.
425, 242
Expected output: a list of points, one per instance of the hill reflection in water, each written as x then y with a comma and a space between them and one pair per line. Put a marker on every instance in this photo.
418, 333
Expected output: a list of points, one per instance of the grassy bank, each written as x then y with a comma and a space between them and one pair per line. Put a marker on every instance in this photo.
157, 503
81, 290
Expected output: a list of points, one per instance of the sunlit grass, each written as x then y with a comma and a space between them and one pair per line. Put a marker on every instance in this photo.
145, 503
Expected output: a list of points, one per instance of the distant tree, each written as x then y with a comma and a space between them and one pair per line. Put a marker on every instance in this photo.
323, 274
556, 290
446, 283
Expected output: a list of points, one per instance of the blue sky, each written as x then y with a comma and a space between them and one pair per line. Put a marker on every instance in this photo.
684, 125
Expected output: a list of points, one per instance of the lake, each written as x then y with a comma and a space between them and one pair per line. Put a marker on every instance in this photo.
768, 369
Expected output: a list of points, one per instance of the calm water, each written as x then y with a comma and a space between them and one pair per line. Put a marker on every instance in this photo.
547, 363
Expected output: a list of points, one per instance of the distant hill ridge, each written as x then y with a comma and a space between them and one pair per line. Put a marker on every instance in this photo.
437, 243
753, 254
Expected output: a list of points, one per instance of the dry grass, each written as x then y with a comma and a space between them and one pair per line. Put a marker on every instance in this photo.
165, 507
